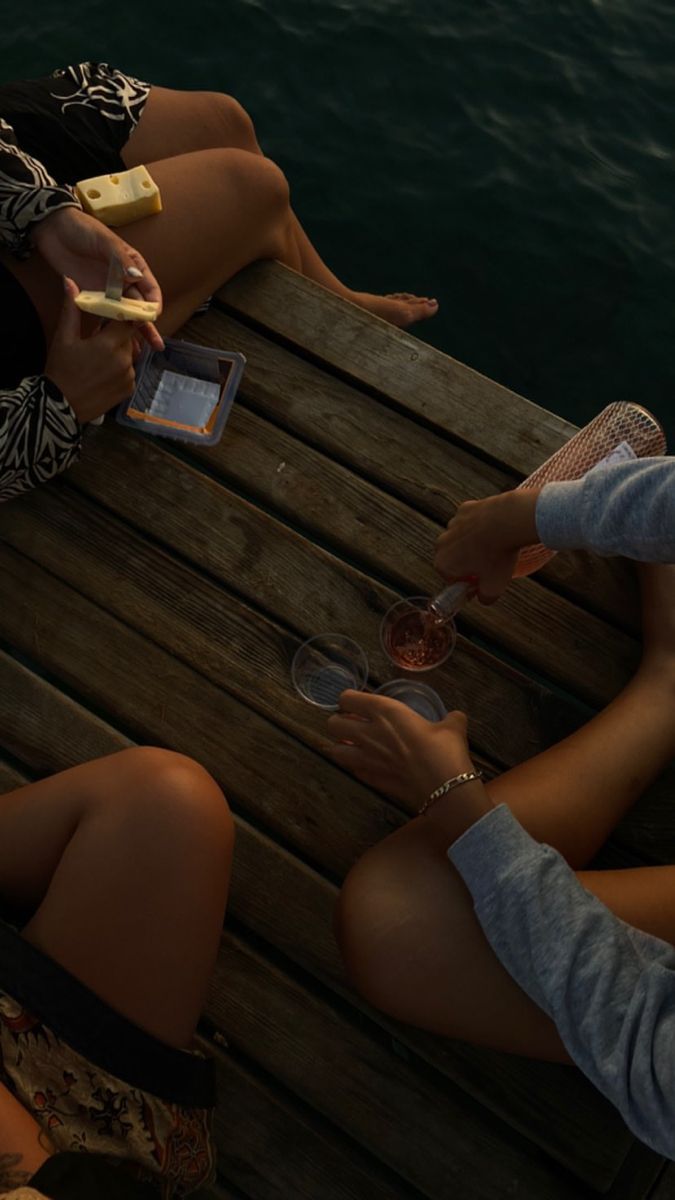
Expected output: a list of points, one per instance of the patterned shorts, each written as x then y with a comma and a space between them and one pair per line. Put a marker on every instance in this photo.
96, 1082
76, 121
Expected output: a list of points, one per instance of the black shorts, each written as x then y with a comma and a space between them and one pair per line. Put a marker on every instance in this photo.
75, 122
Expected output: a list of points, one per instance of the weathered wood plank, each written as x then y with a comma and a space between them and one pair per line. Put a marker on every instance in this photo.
304, 586
416, 464
567, 1118
273, 1150
231, 643
369, 1091
416, 376
156, 698
368, 526
10, 778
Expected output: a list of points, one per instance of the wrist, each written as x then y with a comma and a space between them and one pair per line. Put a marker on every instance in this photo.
57, 219
457, 811
519, 515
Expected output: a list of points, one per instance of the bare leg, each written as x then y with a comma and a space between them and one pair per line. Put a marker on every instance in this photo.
175, 123
243, 215
126, 863
405, 922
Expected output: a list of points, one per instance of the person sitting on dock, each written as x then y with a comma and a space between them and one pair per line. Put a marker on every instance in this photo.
225, 205
481, 919
113, 883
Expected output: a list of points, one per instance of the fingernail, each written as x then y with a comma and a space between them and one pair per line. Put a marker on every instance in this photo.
134, 272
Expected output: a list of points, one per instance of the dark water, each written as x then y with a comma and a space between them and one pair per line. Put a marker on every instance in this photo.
513, 158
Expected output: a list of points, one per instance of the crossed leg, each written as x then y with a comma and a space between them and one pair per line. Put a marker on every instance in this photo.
175, 123
124, 863
405, 921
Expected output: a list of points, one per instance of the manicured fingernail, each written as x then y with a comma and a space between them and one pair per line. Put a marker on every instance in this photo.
134, 272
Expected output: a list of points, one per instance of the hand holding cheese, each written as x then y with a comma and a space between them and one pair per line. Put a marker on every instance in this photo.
93, 373
78, 246
125, 309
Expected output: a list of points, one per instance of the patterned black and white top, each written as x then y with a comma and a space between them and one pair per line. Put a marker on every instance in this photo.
53, 131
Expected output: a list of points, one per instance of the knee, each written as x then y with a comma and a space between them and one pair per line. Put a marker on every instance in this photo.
235, 125
158, 788
371, 925
260, 184
273, 184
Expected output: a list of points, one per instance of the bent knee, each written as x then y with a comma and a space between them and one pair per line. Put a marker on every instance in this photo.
372, 925
156, 784
234, 125
260, 183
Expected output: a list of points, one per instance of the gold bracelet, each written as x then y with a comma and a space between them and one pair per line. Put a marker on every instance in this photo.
449, 786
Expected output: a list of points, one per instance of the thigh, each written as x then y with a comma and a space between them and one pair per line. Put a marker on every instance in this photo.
219, 213
125, 862
413, 945
175, 122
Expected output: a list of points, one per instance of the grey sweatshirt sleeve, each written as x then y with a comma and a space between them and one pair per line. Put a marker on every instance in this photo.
624, 508
609, 988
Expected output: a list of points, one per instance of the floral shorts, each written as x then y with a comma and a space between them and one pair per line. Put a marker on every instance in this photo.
97, 1083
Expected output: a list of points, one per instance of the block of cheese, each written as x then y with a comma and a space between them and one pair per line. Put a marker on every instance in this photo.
122, 198
126, 309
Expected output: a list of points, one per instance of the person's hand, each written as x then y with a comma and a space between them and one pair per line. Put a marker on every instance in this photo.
391, 748
77, 245
94, 373
483, 541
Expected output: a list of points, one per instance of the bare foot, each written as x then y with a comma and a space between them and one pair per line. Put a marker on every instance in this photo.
657, 584
400, 308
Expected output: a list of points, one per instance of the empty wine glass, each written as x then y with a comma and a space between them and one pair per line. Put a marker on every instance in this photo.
325, 666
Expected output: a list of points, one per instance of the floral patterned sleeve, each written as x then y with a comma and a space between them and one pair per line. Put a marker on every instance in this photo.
27, 193
39, 435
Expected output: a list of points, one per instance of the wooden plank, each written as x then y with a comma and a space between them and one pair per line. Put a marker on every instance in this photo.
249, 654
157, 699
368, 1090
543, 630
552, 1105
307, 588
385, 446
395, 363
274, 1149
10, 778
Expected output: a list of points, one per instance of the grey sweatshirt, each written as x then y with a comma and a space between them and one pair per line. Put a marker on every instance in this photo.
609, 988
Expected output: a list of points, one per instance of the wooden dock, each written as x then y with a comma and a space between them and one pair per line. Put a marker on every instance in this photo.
156, 594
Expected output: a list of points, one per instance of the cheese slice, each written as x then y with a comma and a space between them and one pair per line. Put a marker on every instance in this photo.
122, 198
126, 309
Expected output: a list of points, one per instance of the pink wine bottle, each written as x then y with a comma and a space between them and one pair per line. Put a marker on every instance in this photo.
622, 431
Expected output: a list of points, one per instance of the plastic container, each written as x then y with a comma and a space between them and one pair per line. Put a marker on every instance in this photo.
184, 392
325, 666
418, 696
412, 639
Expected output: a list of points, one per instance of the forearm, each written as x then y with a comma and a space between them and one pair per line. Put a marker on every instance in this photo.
609, 988
626, 508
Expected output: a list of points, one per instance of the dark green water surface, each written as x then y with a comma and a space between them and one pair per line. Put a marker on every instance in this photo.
511, 157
